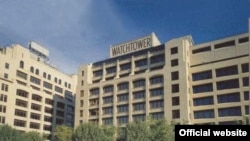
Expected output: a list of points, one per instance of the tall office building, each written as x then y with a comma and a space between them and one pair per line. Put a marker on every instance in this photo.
206, 83
34, 95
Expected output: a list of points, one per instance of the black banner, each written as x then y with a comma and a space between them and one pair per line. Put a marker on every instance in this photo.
211, 132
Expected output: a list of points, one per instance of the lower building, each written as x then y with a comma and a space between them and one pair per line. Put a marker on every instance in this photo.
206, 83
34, 95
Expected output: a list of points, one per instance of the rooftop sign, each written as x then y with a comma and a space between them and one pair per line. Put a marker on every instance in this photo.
132, 46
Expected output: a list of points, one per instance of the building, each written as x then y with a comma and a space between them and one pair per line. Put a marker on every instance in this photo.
34, 95
206, 83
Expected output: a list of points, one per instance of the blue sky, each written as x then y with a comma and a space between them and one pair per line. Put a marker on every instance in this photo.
81, 31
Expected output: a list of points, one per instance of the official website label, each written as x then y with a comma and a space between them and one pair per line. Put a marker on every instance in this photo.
212, 131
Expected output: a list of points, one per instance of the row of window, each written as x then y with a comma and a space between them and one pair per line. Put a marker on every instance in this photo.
223, 98
221, 85
45, 75
221, 45
33, 125
222, 112
220, 72
124, 119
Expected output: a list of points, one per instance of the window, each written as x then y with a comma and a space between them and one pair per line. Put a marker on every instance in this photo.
203, 101
21, 103
47, 85
20, 113
4, 87
108, 89
36, 107
228, 84
97, 73
224, 44
20, 123
204, 114
174, 50
175, 75
35, 116
22, 93
139, 94
139, 83
36, 97
231, 70
122, 120
60, 105
123, 86
175, 114
58, 89
49, 76
156, 92
49, 101
159, 115
3, 97
245, 81
7, 65
5, 76
174, 62
37, 71
111, 70
140, 117
21, 64
94, 92
175, 101
175, 88
139, 106
107, 121
228, 98
32, 69
126, 66
35, 80
44, 75
108, 110
157, 59
246, 95
243, 40
122, 97
156, 80
141, 63
203, 49
2, 119
21, 75
2, 109
203, 88
156, 104
34, 125
107, 100
122, 108
232, 111
202, 75
245, 67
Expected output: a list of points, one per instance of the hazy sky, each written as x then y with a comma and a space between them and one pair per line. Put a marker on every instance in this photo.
81, 31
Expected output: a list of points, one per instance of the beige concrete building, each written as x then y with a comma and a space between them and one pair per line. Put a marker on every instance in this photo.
197, 84
34, 95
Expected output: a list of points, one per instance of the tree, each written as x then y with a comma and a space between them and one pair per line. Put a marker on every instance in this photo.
150, 130
7, 133
160, 130
137, 131
33, 136
93, 132
63, 133
108, 133
87, 132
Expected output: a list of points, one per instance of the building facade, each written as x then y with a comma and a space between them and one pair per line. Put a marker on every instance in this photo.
206, 83
34, 95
